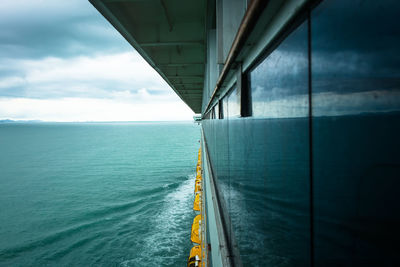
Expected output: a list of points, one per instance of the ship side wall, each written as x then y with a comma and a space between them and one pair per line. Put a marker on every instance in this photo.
301, 137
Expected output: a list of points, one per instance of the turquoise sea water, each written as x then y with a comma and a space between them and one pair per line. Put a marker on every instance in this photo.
96, 194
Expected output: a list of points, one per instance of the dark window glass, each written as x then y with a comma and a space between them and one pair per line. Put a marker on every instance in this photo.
279, 87
356, 129
267, 189
220, 108
225, 107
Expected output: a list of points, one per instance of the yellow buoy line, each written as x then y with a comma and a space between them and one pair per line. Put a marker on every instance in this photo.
196, 236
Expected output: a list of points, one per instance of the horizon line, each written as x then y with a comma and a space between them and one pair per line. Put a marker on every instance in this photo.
44, 121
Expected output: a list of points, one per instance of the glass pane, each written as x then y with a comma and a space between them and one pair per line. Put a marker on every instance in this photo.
356, 129
267, 191
233, 104
225, 107
279, 85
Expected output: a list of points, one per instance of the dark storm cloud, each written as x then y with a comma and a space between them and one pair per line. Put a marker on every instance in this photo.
53, 49
35, 29
60, 60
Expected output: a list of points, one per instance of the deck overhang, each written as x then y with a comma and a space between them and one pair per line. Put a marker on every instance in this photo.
169, 35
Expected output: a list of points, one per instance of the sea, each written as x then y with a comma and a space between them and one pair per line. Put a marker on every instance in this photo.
97, 194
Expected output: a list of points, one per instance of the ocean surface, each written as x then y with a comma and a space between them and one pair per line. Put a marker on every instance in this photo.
96, 194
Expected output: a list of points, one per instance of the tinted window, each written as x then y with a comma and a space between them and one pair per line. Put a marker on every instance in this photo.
221, 109
233, 104
225, 107
267, 191
279, 85
356, 129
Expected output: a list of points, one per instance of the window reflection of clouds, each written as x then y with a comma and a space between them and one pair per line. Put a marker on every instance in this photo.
279, 83
332, 104
284, 108
233, 104
353, 71
355, 59
216, 110
225, 107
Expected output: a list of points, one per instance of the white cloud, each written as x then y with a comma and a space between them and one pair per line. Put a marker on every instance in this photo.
123, 71
89, 109
23, 8
62, 61
11, 82
118, 87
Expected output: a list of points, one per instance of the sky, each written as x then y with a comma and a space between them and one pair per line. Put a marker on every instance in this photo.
63, 61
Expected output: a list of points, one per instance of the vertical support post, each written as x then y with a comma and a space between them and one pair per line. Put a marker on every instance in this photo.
244, 96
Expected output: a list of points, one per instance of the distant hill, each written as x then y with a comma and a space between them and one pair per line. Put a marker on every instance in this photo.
19, 121
6, 121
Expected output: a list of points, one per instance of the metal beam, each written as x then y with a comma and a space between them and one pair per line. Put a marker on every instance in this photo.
183, 79
179, 64
184, 76
167, 15
188, 84
183, 43
125, 1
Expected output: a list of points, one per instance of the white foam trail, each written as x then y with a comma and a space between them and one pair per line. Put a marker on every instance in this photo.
165, 244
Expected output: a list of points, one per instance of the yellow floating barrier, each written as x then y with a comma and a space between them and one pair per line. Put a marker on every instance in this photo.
196, 202
198, 179
197, 187
195, 235
196, 251
195, 257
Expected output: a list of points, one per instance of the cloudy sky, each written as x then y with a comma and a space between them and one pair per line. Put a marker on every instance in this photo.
62, 61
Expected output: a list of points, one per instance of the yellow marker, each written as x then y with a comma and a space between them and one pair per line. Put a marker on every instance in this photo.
196, 203
197, 187
195, 256
195, 235
198, 179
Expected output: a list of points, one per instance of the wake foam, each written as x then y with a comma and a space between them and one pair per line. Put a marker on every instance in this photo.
166, 243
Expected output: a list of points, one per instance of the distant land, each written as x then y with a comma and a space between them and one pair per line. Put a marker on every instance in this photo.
89, 122
19, 121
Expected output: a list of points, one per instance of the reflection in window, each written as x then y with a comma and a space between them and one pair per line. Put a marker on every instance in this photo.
220, 109
225, 107
233, 104
216, 111
268, 160
279, 85
356, 129
208, 115
356, 66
